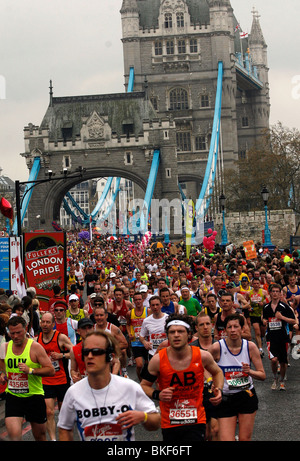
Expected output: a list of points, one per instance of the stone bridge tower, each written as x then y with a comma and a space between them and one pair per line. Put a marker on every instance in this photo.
174, 47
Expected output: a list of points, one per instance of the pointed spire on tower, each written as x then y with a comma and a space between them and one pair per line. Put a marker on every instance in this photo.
256, 35
51, 93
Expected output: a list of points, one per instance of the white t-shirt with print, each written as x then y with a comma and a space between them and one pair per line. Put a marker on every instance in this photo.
154, 331
95, 410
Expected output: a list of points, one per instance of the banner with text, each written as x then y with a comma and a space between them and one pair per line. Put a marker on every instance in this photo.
45, 263
250, 250
17, 280
4, 264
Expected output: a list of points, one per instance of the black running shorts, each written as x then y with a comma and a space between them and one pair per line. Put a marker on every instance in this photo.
243, 402
33, 408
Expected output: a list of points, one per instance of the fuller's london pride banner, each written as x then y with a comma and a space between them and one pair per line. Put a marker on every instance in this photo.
45, 263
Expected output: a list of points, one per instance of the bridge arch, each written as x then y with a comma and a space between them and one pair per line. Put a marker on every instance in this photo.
57, 190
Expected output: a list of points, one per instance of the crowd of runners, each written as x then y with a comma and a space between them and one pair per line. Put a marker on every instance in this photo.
198, 332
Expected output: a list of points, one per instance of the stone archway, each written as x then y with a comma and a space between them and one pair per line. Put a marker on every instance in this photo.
55, 191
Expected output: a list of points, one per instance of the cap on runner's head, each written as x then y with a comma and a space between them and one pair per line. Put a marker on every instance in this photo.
73, 298
85, 322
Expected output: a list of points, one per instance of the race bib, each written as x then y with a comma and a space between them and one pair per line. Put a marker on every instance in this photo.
55, 363
256, 298
156, 339
275, 324
137, 331
185, 412
237, 380
103, 433
18, 383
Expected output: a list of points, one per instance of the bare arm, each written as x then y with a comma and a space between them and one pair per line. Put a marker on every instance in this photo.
215, 351
130, 418
259, 372
128, 325
74, 371
64, 343
110, 307
246, 333
147, 344
288, 320
65, 435
165, 395
119, 337
39, 355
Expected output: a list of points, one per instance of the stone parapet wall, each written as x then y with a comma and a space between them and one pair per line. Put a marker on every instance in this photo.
250, 226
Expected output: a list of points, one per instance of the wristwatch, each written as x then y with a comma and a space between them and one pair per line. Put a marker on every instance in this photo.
218, 389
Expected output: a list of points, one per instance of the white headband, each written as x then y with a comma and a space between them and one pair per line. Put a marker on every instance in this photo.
179, 322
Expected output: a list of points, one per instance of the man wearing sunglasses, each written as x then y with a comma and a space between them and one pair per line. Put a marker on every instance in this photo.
105, 407
65, 325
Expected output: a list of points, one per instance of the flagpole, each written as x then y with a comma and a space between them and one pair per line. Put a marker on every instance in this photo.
241, 43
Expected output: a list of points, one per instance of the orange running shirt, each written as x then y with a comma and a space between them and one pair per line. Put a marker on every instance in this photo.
186, 406
60, 376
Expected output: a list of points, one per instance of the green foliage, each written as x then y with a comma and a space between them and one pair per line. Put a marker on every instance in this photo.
274, 162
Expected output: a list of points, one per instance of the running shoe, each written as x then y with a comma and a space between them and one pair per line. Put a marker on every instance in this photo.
274, 385
130, 362
282, 386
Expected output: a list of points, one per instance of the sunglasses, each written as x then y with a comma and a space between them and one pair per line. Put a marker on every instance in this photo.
58, 310
96, 351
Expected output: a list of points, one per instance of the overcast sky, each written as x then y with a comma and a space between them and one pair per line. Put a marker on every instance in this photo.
77, 44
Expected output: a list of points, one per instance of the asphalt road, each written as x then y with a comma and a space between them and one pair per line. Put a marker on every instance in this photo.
277, 418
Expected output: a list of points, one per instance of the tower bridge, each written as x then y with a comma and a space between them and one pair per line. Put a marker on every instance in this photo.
197, 97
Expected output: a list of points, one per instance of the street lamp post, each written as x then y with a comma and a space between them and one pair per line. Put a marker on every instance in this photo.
265, 197
66, 175
222, 200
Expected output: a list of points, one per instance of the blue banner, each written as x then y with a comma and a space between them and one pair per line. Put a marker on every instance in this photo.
4, 264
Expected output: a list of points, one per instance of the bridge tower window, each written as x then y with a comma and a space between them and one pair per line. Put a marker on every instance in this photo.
180, 19
201, 143
158, 48
168, 21
183, 139
128, 158
170, 47
193, 46
179, 99
204, 100
181, 47
245, 122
